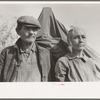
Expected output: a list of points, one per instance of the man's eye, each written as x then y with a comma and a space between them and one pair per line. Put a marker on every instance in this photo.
75, 37
34, 29
26, 28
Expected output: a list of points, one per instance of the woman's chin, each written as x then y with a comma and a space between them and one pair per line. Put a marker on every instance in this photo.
80, 48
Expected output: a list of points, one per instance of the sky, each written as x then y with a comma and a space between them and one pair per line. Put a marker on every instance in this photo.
85, 15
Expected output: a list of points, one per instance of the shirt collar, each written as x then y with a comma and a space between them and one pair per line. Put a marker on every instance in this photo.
33, 49
84, 57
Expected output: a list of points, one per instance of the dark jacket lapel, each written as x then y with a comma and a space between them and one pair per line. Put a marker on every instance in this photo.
44, 62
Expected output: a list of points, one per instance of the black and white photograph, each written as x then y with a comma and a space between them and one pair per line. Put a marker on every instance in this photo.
55, 43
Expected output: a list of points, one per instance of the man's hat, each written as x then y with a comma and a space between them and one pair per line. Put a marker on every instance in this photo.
28, 21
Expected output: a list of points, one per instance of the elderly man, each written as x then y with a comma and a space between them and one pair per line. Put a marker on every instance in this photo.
25, 61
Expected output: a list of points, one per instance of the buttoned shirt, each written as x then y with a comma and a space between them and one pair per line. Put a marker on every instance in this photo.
28, 70
76, 69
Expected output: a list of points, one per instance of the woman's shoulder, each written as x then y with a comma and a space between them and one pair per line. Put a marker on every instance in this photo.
64, 58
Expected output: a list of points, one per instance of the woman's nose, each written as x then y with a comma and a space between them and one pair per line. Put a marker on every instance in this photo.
81, 39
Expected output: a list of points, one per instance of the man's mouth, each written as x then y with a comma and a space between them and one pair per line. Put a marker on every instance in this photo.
31, 36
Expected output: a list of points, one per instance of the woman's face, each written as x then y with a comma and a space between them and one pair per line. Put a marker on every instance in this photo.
78, 40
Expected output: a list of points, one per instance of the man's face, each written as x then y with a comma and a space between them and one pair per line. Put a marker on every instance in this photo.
78, 40
28, 34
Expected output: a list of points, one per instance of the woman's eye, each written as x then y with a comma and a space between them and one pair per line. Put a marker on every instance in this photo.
83, 37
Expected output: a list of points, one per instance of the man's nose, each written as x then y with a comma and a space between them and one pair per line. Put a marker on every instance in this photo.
31, 32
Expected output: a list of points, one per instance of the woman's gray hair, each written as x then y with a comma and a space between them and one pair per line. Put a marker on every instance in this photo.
73, 30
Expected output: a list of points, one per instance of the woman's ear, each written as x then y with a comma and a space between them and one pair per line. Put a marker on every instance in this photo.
70, 45
69, 42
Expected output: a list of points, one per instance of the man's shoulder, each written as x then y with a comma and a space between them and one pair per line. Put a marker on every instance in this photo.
8, 49
41, 48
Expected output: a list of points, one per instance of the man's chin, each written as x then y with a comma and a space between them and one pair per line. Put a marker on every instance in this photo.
30, 41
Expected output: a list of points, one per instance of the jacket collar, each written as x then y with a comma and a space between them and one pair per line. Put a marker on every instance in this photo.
84, 57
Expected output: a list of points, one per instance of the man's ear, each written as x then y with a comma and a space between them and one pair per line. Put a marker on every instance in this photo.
17, 30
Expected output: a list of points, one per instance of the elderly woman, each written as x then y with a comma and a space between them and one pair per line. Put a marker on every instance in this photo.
76, 66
